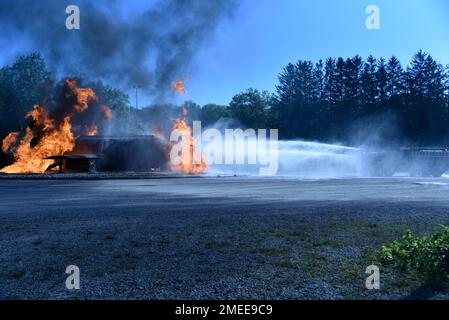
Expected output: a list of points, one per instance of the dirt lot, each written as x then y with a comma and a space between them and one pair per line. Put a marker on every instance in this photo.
211, 238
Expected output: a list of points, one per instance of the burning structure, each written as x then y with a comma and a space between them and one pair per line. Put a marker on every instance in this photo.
63, 136
112, 153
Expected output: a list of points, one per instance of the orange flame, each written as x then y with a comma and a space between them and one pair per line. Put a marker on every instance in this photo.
189, 161
83, 95
9, 141
54, 139
178, 87
92, 131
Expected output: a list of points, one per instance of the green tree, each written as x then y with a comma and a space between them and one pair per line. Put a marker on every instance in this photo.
395, 77
382, 80
426, 113
251, 108
211, 113
340, 72
370, 90
330, 82
24, 84
352, 72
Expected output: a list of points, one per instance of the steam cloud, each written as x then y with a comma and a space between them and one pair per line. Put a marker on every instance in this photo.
149, 48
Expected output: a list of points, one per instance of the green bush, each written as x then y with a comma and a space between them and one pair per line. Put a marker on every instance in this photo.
428, 256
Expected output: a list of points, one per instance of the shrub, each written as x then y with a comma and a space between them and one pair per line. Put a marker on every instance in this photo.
428, 256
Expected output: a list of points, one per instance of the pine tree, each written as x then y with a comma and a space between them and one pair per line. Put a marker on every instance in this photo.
382, 80
369, 82
330, 91
285, 90
416, 75
318, 82
340, 70
353, 71
395, 78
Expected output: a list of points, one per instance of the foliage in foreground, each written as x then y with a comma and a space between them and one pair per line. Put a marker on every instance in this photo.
428, 256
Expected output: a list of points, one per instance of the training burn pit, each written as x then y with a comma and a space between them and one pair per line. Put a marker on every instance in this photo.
66, 134
109, 153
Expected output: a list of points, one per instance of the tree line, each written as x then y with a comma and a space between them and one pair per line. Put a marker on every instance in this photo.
349, 100
330, 99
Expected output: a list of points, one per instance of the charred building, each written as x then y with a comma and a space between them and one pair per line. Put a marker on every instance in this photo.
113, 153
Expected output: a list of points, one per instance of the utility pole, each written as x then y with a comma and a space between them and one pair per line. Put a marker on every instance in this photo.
137, 100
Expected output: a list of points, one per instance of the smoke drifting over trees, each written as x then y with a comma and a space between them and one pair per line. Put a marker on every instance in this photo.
149, 49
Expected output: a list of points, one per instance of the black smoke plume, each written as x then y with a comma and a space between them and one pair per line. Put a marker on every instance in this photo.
148, 48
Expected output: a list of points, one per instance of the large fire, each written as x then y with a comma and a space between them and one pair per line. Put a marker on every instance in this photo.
56, 140
54, 129
51, 138
190, 162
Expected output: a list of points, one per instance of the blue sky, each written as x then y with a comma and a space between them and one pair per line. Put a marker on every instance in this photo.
251, 49
265, 35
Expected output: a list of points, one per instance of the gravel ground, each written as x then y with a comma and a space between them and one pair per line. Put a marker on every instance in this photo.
211, 238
